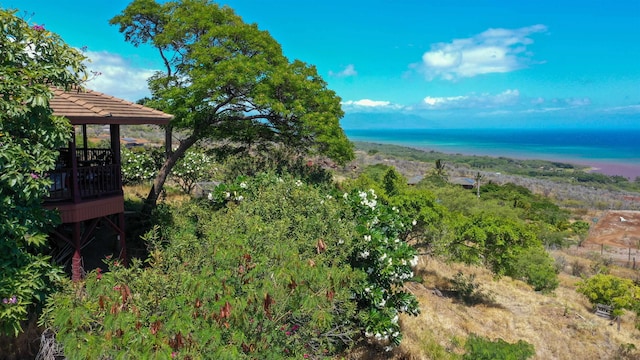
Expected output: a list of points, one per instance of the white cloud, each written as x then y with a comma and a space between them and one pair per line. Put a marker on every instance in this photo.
367, 103
505, 98
625, 109
117, 76
349, 70
370, 105
492, 51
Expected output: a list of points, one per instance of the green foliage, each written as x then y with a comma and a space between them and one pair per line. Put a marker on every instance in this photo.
393, 182
229, 82
31, 60
581, 229
493, 241
538, 269
193, 167
376, 172
268, 268
611, 290
430, 219
479, 348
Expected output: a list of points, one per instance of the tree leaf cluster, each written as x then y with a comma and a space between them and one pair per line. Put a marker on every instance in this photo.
32, 59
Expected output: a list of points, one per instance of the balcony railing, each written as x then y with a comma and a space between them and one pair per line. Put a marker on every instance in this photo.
96, 176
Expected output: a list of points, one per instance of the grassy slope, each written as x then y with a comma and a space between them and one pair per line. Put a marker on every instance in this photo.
560, 325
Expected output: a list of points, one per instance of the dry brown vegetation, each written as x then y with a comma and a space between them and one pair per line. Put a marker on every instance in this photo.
560, 325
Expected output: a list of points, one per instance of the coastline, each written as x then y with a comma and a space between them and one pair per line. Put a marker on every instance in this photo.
611, 153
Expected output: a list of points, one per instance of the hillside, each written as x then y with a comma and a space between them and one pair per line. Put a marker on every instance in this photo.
560, 325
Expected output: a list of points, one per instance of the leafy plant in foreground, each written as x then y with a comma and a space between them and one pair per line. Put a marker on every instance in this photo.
31, 60
273, 271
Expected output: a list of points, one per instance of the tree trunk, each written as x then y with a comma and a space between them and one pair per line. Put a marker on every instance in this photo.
163, 174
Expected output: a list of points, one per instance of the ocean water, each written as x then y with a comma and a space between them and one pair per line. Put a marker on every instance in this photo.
613, 152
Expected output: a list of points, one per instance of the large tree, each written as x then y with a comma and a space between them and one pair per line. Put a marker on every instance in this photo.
32, 59
229, 82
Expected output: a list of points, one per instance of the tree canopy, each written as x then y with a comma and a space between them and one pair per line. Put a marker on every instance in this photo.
31, 60
228, 81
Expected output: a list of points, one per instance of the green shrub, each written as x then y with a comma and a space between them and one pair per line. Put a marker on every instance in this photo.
538, 269
479, 348
267, 268
611, 290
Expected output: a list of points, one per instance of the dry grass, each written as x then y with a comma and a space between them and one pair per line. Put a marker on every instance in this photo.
170, 195
560, 325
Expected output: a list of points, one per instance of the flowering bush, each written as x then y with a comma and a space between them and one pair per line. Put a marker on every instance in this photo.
139, 165
194, 166
381, 252
268, 268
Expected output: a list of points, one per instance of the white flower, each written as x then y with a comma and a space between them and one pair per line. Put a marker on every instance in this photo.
227, 195
367, 289
388, 348
384, 256
210, 196
243, 185
298, 183
340, 242
345, 195
239, 198
414, 261
395, 321
364, 254
414, 223
367, 238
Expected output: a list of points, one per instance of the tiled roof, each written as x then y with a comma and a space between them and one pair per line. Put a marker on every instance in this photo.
84, 106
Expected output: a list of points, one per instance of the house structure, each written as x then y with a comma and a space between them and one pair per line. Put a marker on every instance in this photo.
465, 182
87, 182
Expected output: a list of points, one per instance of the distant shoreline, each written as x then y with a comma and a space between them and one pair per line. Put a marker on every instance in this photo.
606, 152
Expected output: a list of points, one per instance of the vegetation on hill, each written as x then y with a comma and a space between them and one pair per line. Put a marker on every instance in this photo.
562, 188
540, 169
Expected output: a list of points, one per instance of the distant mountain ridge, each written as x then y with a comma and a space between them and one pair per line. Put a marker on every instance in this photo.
356, 121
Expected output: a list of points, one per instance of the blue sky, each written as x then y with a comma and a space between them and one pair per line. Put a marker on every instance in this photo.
416, 63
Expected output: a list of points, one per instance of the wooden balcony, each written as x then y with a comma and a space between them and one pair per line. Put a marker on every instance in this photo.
89, 188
